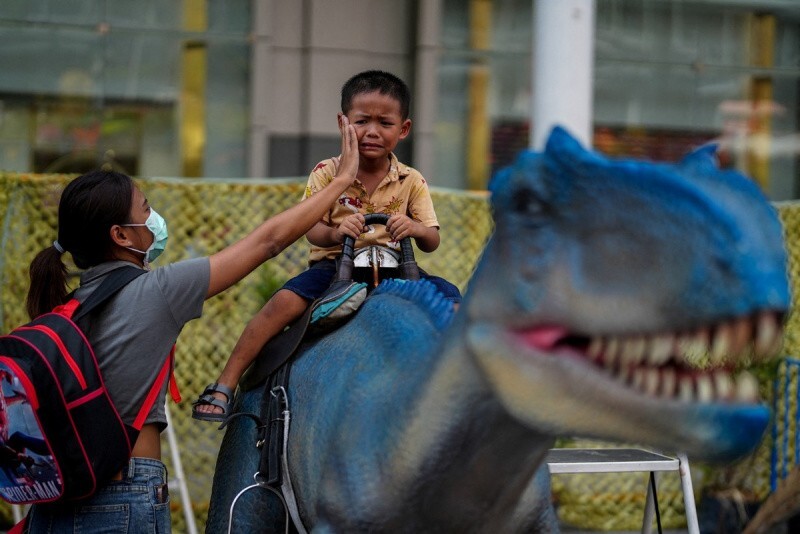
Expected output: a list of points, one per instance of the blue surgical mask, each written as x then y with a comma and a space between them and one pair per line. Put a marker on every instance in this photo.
158, 226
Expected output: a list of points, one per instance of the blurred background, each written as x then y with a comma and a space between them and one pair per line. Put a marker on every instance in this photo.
250, 88
222, 107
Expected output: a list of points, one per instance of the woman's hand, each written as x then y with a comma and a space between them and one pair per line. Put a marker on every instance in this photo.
348, 162
235, 261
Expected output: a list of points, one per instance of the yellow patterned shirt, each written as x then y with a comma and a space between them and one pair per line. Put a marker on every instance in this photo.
402, 190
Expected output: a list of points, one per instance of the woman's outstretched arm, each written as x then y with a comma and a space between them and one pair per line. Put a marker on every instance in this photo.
269, 239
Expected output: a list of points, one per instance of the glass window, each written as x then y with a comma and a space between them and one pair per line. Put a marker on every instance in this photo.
485, 84
102, 81
669, 76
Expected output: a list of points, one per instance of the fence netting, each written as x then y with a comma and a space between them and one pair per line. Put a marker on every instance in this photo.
206, 215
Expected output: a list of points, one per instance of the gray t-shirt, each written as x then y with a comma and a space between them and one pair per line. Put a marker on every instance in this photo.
133, 333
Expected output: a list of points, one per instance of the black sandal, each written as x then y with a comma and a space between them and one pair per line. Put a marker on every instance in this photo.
208, 399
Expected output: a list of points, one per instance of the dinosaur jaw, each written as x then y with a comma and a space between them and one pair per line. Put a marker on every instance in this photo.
689, 366
631, 388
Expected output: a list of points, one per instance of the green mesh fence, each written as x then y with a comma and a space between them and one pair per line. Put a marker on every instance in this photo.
206, 215
203, 217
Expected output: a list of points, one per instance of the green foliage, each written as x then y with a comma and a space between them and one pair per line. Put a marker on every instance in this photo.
269, 281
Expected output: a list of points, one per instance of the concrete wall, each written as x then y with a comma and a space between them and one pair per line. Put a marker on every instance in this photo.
317, 45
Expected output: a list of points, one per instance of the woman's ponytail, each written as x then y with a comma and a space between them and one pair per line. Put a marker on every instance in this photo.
89, 206
48, 281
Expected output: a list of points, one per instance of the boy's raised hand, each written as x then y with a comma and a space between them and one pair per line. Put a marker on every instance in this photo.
348, 163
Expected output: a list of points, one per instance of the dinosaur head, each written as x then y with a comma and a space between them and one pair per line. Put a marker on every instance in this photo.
621, 299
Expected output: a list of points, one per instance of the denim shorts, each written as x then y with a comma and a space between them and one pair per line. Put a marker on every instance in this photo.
137, 504
312, 283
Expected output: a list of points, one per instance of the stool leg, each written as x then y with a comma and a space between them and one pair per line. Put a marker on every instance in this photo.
647, 522
688, 494
651, 506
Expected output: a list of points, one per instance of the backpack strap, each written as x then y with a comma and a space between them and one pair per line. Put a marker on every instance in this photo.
152, 395
111, 284
19, 528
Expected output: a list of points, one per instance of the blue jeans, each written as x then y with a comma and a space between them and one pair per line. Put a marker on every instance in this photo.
137, 504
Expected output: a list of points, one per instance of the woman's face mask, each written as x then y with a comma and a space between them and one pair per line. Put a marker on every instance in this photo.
158, 226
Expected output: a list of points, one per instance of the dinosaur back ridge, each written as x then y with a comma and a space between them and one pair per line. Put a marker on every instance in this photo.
422, 294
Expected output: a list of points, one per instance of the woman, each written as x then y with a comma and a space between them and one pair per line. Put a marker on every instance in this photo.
104, 222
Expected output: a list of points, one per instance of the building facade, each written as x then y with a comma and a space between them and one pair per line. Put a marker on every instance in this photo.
238, 88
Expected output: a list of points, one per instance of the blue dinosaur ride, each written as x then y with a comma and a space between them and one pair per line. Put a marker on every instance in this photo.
604, 285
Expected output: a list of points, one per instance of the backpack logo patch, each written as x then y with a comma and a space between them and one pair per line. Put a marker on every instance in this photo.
28, 470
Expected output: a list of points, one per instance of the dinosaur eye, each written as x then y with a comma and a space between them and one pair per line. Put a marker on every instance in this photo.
527, 203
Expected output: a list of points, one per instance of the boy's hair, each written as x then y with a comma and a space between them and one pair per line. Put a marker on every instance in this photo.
376, 80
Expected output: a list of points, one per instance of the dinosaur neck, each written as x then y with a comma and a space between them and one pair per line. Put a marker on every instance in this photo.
427, 434
461, 445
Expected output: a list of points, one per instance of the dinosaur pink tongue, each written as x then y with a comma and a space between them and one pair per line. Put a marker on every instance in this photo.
542, 337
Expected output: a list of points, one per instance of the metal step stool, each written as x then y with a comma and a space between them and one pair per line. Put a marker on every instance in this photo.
563, 461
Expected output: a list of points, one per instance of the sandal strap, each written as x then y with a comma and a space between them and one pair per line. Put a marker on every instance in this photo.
209, 400
218, 388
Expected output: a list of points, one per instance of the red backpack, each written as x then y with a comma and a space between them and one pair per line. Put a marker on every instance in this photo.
60, 435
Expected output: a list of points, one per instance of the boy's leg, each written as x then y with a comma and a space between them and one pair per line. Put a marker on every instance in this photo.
281, 310
285, 306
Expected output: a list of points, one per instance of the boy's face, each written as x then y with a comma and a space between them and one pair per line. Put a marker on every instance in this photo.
378, 123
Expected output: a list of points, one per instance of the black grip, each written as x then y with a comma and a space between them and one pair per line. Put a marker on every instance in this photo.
408, 265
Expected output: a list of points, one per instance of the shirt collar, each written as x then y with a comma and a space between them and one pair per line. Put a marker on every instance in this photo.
98, 271
397, 170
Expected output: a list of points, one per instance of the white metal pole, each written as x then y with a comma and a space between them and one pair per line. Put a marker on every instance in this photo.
688, 494
563, 69
180, 477
260, 89
429, 17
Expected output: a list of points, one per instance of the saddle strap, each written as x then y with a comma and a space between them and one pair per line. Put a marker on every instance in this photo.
273, 405
276, 352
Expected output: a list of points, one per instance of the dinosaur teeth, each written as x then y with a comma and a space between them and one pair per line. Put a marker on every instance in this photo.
728, 342
660, 349
638, 378
705, 390
722, 343
723, 386
652, 382
611, 352
691, 366
625, 374
767, 331
669, 381
685, 388
746, 387
689, 386
595, 349
693, 347
742, 336
632, 350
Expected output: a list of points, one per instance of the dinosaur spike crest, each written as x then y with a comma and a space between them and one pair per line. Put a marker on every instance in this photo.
422, 293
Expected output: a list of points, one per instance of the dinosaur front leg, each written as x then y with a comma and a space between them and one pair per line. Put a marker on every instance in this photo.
534, 511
